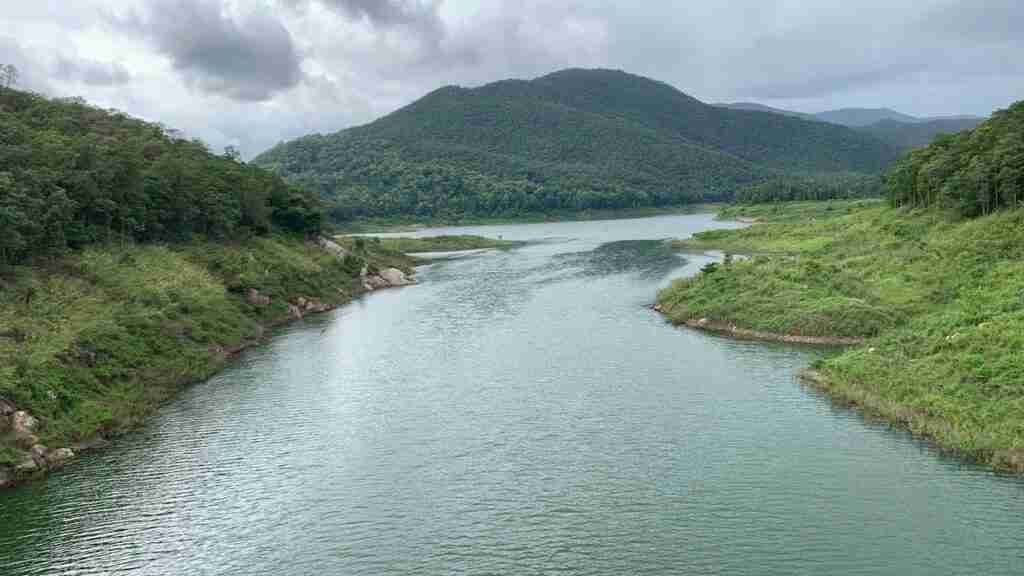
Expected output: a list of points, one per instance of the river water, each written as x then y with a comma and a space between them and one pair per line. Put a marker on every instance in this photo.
518, 412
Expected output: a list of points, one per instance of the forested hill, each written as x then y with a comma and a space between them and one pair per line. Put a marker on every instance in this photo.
574, 139
910, 135
975, 172
72, 175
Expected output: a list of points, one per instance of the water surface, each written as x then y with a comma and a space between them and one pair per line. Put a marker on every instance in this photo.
518, 412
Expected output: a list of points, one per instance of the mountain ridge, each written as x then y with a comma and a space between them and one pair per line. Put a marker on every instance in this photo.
573, 139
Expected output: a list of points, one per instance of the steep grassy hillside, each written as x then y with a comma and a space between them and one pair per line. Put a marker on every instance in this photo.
933, 280
576, 139
92, 342
133, 262
940, 301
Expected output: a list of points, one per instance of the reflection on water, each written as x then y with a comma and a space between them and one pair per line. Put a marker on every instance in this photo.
518, 412
651, 259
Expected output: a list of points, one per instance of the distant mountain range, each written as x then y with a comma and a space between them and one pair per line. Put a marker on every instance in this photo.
572, 140
902, 131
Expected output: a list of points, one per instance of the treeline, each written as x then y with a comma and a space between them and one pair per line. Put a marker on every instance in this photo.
72, 175
366, 178
975, 172
843, 186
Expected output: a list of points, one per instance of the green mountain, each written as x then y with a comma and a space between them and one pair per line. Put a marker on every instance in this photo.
908, 135
754, 106
860, 117
575, 139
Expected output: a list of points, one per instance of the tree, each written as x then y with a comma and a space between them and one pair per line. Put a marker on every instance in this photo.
9, 76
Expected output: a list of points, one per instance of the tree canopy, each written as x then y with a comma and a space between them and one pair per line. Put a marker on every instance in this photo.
72, 174
975, 172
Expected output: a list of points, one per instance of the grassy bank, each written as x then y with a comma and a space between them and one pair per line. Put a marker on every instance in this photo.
939, 299
93, 342
406, 223
444, 244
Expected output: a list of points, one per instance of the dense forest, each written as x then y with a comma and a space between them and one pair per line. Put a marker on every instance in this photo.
73, 175
838, 186
572, 140
975, 172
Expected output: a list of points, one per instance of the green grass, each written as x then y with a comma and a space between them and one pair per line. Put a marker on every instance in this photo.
410, 223
444, 244
98, 339
940, 299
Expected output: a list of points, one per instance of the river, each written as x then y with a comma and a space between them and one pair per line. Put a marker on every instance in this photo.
517, 412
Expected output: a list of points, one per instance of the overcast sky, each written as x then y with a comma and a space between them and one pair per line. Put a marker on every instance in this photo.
250, 73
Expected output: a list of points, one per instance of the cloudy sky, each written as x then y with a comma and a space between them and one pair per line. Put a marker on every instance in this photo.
250, 73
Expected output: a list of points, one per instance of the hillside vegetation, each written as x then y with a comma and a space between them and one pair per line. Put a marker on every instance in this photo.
72, 175
572, 140
133, 263
975, 172
933, 282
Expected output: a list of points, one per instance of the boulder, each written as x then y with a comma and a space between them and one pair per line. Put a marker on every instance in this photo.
59, 457
256, 299
332, 247
23, 425
395, 277
38, 452
7, 408
294, 312
22, 421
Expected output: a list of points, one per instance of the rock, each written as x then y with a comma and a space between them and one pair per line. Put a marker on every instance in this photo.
332, 247
6, 408
22, 421
395, 277
657, 307
294, 312
59, 457
703, 322
39, 455
256, 299
377, 282
23, 425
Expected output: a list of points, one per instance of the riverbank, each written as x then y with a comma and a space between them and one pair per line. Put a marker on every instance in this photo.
92, 343
934, 300
447, 243
409, 224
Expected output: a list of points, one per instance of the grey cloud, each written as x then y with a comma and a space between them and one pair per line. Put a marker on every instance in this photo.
380, 12
91, 72
248, 58
31, 73
263, 70
961, 40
